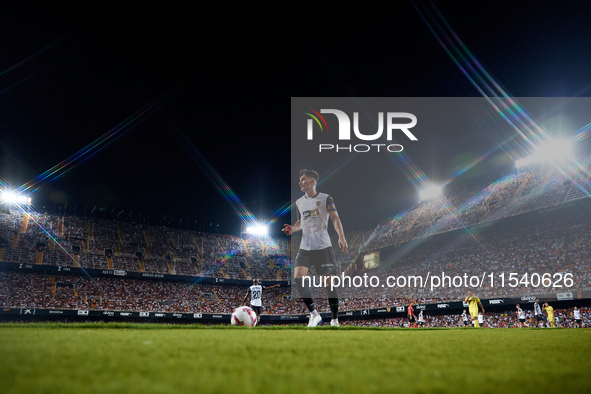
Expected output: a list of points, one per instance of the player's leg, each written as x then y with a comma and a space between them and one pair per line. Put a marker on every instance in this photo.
257, 310
333, 302
474, 315
300, 271
325, 265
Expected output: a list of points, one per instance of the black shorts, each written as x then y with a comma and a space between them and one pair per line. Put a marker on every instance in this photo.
578, 321
256, 309
540, 318
466, 322
324, 260
521, 320
421, 323
411, 319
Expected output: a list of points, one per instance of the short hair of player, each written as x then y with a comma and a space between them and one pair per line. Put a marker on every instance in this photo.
310, 174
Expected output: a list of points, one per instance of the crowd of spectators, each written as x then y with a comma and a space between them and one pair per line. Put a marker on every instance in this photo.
531, 188
420, 240
491, 320
108, 244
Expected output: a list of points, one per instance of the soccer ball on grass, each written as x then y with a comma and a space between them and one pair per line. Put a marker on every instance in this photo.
244, 316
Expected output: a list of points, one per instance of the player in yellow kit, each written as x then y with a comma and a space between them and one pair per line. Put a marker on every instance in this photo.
473, 303
550, 312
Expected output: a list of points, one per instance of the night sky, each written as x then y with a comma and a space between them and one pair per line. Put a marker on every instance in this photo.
220, 80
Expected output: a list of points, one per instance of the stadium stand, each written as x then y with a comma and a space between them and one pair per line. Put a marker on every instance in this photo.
534, 220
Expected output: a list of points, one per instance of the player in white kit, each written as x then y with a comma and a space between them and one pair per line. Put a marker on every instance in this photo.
521, 316
421, 319
465, 319
577, 316
314, 209
256, 296
480, 319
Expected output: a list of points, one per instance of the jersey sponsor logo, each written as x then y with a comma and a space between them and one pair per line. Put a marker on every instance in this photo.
314, 213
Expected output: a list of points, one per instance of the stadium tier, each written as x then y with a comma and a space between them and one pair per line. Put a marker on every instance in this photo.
536, 222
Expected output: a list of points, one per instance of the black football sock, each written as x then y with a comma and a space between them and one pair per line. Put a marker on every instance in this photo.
333, 301
305, 294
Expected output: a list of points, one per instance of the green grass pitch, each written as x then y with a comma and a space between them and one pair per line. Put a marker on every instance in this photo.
127, 358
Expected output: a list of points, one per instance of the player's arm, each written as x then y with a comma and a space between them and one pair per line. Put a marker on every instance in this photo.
481, 307
245, 296
290, 229
270, 287
338, 226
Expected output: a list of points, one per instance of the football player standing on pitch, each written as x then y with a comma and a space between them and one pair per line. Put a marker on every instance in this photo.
256, 296
314, 209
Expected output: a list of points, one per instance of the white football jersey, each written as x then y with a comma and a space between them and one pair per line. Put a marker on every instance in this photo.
480, 319
520, 313
313, 215
256, 292
577, 314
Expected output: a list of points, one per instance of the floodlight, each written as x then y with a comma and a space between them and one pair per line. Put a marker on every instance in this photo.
553, 151
550, 152
430, 192
8, 197
259, 229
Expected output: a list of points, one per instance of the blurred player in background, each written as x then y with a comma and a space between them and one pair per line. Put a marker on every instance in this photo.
421, 319
538, 315
256, 296
480, 319
550, 312
521, 317
410, 314
577, 316
314, 209
473, 303
465, 319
